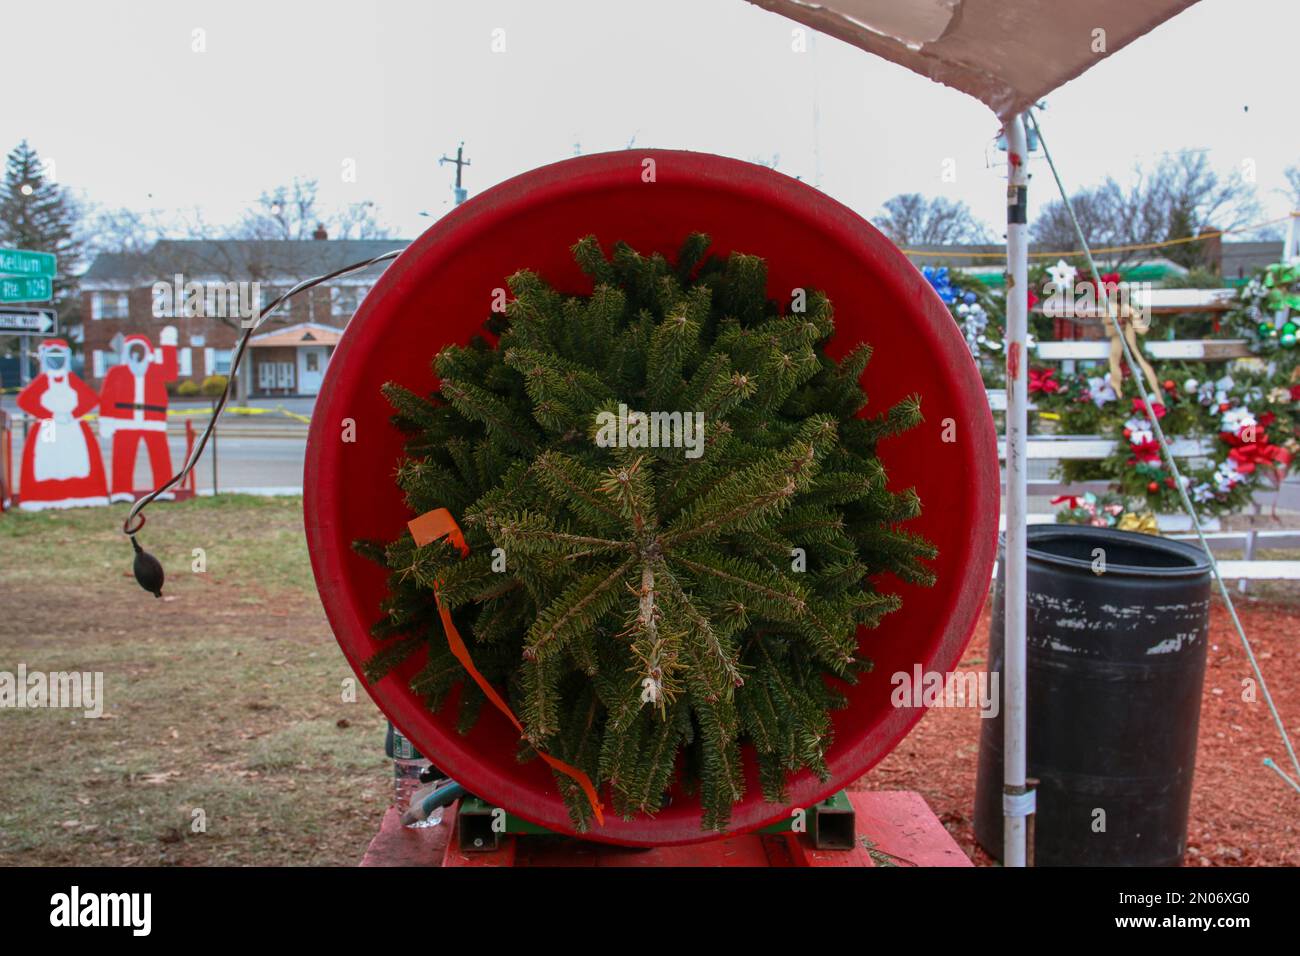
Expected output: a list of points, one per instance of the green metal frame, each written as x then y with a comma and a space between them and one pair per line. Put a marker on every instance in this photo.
837, 805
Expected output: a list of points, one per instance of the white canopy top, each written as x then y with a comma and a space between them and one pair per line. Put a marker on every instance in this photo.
1005, 53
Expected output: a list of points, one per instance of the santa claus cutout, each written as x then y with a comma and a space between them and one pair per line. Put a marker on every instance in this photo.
62, 467
133, 409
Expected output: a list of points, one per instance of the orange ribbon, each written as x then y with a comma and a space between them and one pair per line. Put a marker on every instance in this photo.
426, 529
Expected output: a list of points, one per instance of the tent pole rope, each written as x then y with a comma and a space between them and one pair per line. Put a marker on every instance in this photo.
1129, 358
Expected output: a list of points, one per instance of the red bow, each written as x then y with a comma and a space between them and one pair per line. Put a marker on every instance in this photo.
1073, 500
1247, 455
1109, 279
1043, 380
1147, 451
1140, 406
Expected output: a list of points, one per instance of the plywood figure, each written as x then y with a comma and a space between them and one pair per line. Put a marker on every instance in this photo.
62, 466
133, 409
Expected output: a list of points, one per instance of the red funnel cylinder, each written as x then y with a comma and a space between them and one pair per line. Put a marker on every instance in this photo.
439, 291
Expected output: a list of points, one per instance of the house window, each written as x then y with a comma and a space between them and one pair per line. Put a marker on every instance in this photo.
101, 360
169, 302
269, 295
221, 361
274, 375
185, 359
346, 299
228, 300
109, 305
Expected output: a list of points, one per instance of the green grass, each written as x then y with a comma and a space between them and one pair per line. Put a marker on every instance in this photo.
245, 539
226, 698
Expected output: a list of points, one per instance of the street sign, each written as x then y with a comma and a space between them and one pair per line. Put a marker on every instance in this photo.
21, 262
28, 322
26, 289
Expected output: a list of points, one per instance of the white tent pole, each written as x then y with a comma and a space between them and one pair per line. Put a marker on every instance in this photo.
1016, 803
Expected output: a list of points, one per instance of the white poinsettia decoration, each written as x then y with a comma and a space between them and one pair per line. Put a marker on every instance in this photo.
1235, 419
1101, 391
1215, 393
1226, 476
1139, 431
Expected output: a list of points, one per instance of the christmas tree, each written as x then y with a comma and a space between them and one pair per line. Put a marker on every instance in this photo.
38, 214
674, 512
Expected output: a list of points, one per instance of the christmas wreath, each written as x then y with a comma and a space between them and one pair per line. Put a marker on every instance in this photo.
1247, 429
1244, 415
1267, 302
648, 604
1104, 511
979, 314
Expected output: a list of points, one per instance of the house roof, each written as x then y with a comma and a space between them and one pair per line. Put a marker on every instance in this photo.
304, 333
1243, 259
260, 260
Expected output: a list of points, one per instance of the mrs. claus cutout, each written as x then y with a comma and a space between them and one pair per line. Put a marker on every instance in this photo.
133, 409
62, 467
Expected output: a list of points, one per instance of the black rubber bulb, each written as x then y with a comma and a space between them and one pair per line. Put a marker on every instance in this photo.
148, 570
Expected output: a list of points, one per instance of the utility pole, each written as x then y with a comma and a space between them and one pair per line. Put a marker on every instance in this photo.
460, 162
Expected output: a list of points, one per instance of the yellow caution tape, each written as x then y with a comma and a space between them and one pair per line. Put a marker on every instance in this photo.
230, 410
1133, 247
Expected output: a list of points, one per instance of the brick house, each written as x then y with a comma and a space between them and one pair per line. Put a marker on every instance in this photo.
205, 287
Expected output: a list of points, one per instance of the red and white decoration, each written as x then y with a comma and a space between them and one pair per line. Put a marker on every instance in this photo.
133, 409
62, 466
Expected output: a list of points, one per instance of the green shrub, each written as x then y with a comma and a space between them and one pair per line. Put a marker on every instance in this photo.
214, 385
188, 388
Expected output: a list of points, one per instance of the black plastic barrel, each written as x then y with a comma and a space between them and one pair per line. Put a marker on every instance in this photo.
1115, 666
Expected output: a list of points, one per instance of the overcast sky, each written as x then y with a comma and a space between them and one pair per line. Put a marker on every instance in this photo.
133, 117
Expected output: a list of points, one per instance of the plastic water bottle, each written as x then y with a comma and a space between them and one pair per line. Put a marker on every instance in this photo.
410, 773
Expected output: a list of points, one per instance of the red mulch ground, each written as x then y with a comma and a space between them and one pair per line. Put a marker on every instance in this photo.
1243, 813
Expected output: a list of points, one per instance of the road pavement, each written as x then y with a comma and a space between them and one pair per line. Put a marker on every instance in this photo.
242, 463
267, 452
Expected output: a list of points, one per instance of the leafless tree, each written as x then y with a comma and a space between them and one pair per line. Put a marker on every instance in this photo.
1292, 176
911, 219
292, 212
1178, 198
357, 221
125, 231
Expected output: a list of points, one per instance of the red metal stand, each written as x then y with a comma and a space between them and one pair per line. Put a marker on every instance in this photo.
6, 462
894, 828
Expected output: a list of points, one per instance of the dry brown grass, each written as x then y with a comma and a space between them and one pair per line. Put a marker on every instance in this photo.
224, 698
